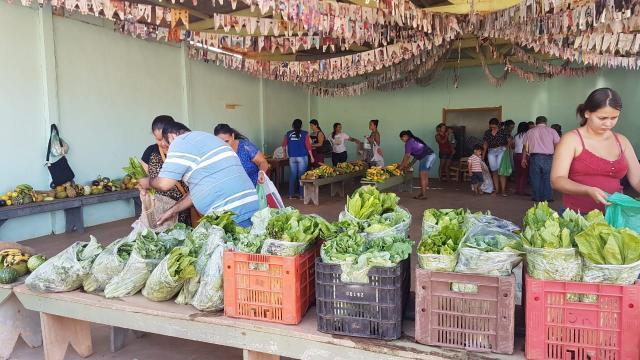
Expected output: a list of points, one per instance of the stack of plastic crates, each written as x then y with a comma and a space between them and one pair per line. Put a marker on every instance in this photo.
465, 311
371, 310
268, 287
581, 321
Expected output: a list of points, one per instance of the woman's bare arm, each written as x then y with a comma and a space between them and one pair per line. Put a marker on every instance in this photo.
633, 174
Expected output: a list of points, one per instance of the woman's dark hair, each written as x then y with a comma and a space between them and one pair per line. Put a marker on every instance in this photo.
297, 126
440, 126
375, 122
509, 123
160, 122
335, 126
494, 121
173, 128
316, 123
523, 127
228, 130
411, 136
597, 100
477, 147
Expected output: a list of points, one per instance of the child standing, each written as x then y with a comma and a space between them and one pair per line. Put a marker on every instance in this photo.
475, 169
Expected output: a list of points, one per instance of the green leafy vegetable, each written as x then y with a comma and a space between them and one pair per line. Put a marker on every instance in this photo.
292, 226
148, 246
135, 169
603, 244
181, 263
543, 230
250, 243
445, 240
345, 247
367, 202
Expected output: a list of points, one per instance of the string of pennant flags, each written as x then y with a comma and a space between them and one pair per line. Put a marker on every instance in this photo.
407, 44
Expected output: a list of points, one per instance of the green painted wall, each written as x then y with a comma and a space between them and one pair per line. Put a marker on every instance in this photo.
420, 109
110, 86
282, 104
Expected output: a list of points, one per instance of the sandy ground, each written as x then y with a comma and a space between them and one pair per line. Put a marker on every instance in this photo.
441, 195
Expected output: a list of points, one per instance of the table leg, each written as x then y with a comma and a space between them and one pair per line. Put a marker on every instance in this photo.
73, 220
254, 355
119, 337
311, 193
137, 206
58, 332
17, 321
337, 189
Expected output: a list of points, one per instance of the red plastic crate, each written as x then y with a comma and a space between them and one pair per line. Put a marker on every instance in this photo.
481, 321
269, 288
560, 327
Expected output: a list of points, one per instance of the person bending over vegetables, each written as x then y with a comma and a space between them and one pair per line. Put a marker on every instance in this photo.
414, 146
212, 170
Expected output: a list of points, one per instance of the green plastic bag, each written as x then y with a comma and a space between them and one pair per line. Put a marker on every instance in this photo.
505, 164
262, 196
624, 211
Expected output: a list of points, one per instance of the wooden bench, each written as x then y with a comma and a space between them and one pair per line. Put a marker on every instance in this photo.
312, 187
16, 321
72, 208
66, 318
404, 182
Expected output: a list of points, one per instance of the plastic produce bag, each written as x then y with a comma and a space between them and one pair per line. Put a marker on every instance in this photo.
67, 270
505, 164
153, 206
170, 275
174, 236
208, 244
262, 196
210, 293
488, 251
147, 252
260, 219
473, 220
108, 264
401, 216
624, 211
435, 262
610, 274
554, 264
487, 181
283, 248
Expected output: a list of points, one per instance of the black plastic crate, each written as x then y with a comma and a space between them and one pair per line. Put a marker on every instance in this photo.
372, 310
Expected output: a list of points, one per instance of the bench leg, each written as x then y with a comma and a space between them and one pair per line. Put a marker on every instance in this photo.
58, 332
337, 189
2, 221
137, 206
73, 219
17, 321
315, 195
119, 337
254, 355
311, 193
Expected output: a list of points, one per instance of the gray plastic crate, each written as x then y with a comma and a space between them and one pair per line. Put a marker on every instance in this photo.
372, 310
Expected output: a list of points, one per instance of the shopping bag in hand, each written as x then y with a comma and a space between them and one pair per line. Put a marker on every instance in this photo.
624, 211
272, 197
505, 164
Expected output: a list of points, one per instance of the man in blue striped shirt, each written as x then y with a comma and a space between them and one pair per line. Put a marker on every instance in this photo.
212, 170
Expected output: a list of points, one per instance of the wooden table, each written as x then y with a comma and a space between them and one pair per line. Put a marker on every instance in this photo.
404, 182
66, 318
312, 187
16, 321
72, 207
277, 170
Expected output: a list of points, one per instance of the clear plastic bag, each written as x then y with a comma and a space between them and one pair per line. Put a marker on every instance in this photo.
473, 220
400, 229
132, 278
283, 248
210, 294
610, 274
67, 270
436, 262
174, 237
106, 266
160, 286
554, 264
260, 219
488, 251
214, 236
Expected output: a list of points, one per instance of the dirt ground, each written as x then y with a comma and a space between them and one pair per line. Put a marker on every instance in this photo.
440, 195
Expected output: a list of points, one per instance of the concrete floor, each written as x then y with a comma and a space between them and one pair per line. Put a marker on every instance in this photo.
441, 195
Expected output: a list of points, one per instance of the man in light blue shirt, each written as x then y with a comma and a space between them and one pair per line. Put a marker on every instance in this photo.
212, 170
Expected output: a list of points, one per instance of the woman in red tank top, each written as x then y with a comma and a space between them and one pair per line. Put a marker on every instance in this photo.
590, 161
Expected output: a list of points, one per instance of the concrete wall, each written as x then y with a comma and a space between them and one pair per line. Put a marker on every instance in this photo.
420, 109
107, 88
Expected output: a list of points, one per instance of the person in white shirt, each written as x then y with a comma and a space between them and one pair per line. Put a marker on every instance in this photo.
522, 172
338, 140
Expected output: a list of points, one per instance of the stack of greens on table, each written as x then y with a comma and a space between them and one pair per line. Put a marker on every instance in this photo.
170, 275
146, 253
441, 235
67, 270
611, 255
357, 256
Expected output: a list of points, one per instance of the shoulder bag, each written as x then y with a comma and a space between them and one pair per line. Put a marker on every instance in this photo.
60, 170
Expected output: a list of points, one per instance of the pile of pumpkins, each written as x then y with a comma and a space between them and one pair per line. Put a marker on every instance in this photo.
15, 263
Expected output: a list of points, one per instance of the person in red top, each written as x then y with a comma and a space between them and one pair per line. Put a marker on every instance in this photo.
445, 152
590, 161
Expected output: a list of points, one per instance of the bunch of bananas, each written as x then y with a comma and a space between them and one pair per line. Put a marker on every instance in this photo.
376, 174
16, 259
323, 171
23, 194
393, 169
358, 165
344, 168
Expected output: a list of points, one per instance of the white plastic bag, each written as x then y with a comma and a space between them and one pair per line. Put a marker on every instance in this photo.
107, 265
132, 278
562, 264
435, 262
67, 270
210, 294
488, 251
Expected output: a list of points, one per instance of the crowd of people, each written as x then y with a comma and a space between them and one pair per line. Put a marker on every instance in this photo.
206, 172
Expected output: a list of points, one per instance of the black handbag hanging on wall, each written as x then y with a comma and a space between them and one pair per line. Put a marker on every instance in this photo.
60, 170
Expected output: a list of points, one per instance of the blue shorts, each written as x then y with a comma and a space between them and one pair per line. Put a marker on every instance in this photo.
477, 178
426, 162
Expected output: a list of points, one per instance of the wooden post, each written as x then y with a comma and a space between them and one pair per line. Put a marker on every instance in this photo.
58, 332
254, 355
16, 321
73, 220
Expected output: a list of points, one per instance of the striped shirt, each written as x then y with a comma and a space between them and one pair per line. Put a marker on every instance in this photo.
475, 163
212, 170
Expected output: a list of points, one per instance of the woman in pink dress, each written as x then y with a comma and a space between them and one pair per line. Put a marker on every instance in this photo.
590, 161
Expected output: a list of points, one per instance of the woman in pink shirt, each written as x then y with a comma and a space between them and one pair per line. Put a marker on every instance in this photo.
590, 161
